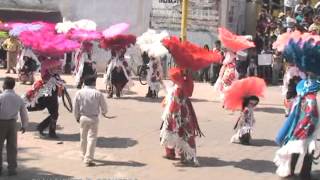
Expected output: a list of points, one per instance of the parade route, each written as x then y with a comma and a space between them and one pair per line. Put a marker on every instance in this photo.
128, 145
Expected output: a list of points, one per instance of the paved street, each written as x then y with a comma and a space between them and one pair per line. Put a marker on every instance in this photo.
128, 145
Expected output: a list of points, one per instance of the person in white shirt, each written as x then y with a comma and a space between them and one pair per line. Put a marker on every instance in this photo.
10, 106
88, 103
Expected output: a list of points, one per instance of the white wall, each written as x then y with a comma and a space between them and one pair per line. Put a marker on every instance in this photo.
106, 13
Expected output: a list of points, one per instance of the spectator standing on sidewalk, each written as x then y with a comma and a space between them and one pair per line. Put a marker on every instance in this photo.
204, 73
216, 66
12, 46
87, 105
10, 105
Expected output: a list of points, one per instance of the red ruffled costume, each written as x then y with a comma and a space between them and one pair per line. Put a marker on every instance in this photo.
180, 125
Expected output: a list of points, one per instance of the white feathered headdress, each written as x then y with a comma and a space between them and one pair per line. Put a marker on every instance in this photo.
83, 24
150, 42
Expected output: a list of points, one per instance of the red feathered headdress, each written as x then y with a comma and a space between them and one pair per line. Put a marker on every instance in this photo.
251, 86
183, 80
234, 42
118, 42
190, 56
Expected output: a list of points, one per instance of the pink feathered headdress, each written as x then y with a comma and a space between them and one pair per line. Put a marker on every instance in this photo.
48, 43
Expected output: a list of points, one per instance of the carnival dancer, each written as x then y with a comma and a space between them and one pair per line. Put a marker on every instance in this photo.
153, 50
244, 94
292, 74
50, 48
44, 95
27, 66
298, 136
118, 72
179, 122
154, 77
228, 73
85, 66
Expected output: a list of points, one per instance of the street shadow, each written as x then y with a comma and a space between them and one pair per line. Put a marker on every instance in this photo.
262, 142
272, 110
116, 142
26, 173
142, 99
119, 163
257, 166
32, 126
213, 162
198, 100
103, 142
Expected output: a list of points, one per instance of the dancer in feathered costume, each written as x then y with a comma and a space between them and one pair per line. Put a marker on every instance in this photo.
228, 73
118, 72
244, 94
150, 43
289, 85
27, 65
44, 94
85, 66
298, 136
154, 77
179, 122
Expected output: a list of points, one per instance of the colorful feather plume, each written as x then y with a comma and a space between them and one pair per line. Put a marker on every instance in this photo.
84, 24
48, 43
251, 86
305, 55
118, 42
284, 39
234, 42
188, 55
84, 35
150, 42
16, 30
115, 30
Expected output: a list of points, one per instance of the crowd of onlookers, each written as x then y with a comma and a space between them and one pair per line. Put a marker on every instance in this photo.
298, 15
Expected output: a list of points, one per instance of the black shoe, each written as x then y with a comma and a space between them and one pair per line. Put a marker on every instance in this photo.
40, 131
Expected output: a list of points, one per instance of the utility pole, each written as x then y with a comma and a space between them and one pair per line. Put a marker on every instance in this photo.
184, 17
